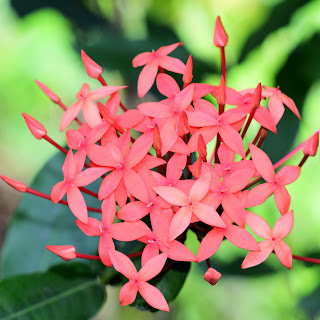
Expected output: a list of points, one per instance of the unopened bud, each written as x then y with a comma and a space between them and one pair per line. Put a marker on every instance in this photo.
221, 99
311, 146
187, 77
202, 149
48, 92
19, 186
157, 142
35, 127
256, 97
92, 68
212, 276
64, 252
220, 37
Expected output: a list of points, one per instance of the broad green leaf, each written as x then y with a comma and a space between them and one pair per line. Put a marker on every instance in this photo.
66, 292
169, 283
38, 222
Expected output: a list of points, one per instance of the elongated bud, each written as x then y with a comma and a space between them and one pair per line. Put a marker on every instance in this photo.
19, 186
212, 276
35, 127
106, 114
64, 252
220, 37
185, 121
202, 149
157, 142
92, 68
48, 92
196, 168
221, 99
256, 97
187, 77
311, 146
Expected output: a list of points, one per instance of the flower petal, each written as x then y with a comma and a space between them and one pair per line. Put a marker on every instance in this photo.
259, 226
58, 191
179, 252
282, 198
77, 204
135, 185
129, 231
200, 188
147, 77
109, 184
123, 264
172, 195
283, 253
167, 85
172, 64
207, 215
70, 114
288, 174
152, 268
241, 238
180, 222
153, 296
133, 211
284, 225
128, 293
254, 258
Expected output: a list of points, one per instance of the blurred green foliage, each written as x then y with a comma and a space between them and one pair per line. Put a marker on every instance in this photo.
270, 41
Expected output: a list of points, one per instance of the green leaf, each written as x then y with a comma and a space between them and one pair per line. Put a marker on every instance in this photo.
38, 222
169, 283
73, 293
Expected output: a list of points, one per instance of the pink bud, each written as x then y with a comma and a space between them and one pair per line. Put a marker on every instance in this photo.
35, 127
202, 149
157, 142
220, 37
64, 252
212, 276
19, 186
311, 146
256, 97
222, 92
48, 92
187, 77
92, 68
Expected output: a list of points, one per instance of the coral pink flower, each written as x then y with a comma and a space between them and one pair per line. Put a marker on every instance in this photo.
138, 280
191, 205
35, 127
152, 61
273, 240
220, 37
92, 68
240, 237
64, 252
275, 182
74, 178
86, 103
212, 276
107, 230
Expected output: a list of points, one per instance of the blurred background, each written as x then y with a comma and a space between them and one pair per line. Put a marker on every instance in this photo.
275, 42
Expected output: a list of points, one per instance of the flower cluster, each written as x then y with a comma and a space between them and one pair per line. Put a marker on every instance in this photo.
155, 188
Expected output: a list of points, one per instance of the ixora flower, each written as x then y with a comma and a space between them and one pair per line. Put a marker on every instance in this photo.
155, 188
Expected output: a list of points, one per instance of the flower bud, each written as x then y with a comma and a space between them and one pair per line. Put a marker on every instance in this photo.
212, 276
202, 149
157, 142
19, 186
48, 92
221, 99
92, 68
311, 145
64, 252
187, 77
220, 37
35, 127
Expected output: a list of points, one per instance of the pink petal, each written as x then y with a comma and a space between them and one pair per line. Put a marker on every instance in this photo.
290, 104
91, 113
105, 246
152, 268
180, 222
103, 92
69, 166
180, 147
210, 244
200, 188
128, 294
135, 185
183, 98
97, 132
179, 252
151, 162
123, 147
150, 251
241, 238
205, 107
120, 194
282, 198
138, 151
108, 209
288, 174
234, 209
276, 108
172, 64
133, 211
262, 163
74, 139
77, 204
259, 194
142, 59
207, 133
123, 264
238, 179
167, 85
88, 176
169, 135
201, 90
153, 296
155, 109
264, 117
70, 114
172, 195
109, 184
254, 258
175, 166
200, 119
58, 191
165, 50
101, 155
259, 226
91, 229
207, 215
147, 77
226, 155
284, 225
129, 231
283, 253
232, 139
130, 119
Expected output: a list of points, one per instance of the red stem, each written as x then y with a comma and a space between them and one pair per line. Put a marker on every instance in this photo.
311, 260
223, 64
